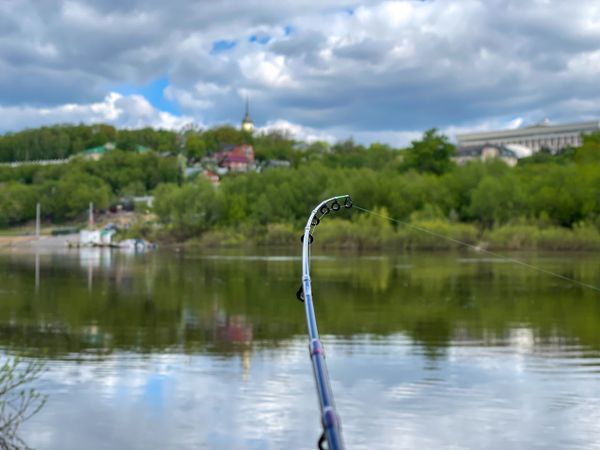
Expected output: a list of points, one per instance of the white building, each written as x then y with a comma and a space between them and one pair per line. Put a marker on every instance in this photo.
542, 135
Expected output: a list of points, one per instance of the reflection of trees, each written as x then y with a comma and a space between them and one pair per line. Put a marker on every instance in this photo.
17, 402
434, 334
229, 306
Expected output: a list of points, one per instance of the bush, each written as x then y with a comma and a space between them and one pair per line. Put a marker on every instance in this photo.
531, 237
187, 210
17, 402
436, 234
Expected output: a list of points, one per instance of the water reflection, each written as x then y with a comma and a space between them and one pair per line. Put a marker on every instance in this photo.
192, 302
209, 351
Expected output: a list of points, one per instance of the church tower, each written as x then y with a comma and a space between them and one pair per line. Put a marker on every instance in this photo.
247, 124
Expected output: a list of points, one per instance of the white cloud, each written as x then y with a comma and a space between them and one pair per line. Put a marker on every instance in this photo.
132, 111
374, 69
266, 70
297, 132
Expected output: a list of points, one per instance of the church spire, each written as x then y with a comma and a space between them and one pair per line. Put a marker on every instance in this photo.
247, 124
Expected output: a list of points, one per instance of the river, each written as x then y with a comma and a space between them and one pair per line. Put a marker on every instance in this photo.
195, 350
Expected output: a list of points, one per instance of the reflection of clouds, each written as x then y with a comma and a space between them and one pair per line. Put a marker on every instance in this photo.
585, 420
405, 391
479, 396
521, 340
95, 257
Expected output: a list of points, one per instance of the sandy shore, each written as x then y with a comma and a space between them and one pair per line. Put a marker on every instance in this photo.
15, 241
33, 242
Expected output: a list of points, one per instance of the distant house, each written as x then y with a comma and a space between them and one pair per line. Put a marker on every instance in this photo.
95, 153
147, 200
274, 164
95, 237
277, 163
486, 152
190, 171
142, 149
235, 158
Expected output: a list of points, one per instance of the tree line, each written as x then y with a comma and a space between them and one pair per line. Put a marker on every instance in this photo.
65, 190
63, 141
417, 183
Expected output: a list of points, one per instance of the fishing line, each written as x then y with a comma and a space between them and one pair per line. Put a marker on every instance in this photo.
479, 249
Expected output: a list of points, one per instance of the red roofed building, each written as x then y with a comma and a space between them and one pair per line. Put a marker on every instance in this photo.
236, 158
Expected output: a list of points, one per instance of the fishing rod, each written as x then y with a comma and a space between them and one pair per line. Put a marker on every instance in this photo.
332, 430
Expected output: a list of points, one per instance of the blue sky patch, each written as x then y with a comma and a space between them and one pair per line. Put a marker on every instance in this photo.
288, 29
154, 93
222, 45
259, 39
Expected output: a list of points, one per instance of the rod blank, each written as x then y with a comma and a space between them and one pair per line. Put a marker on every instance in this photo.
332, 430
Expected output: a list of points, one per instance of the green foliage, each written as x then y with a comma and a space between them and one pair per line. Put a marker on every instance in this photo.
367, 231
431, 154
589, 152
63, 141
373, 232
158, 140
565, 193
224, 135
195, 147
72, 194
348, 154
187, 210
120, 169
532, 237
275, 145
65, 190
17, 202
419, 185
495, 200
55, 142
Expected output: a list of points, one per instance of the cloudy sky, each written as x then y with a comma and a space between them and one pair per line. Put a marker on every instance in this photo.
375, 70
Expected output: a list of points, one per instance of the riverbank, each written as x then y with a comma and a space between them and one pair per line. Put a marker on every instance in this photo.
15, 241
372, 234
43, 242
379, 235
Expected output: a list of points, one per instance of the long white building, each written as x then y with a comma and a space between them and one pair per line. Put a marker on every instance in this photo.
536, 137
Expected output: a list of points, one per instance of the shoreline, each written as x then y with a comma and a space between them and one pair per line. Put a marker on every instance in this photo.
29, 241
337, 234
48, 243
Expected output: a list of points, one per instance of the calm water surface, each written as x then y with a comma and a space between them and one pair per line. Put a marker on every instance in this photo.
192, 351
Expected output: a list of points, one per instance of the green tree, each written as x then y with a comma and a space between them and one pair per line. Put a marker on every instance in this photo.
224, 135
195, 147
589, 152
187, 210
432, 153
74, 192
274, 145
495, 201
17, 203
